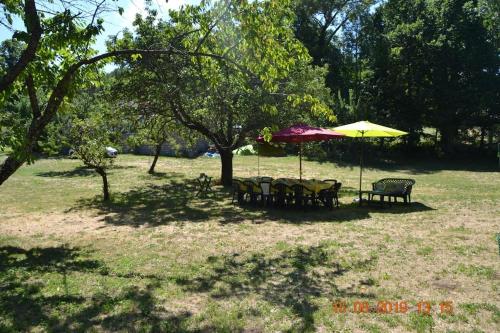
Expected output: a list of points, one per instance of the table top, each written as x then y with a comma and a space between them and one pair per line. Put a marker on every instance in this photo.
315, 185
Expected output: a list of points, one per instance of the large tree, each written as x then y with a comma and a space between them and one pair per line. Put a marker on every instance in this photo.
264, 80
431, 64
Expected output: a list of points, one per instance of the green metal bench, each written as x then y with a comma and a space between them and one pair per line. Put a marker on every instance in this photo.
392, 188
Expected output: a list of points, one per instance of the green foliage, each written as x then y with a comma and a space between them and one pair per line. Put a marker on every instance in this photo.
139, 103
266, 133
263, 67
329, 29
253, 74
67, 34
89, 138
15, 116
409, 64
348, 109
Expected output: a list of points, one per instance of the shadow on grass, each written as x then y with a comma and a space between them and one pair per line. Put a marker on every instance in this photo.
292, 280
76, 172
81, 171
162, 175
32, 299
153, 205
158, 204
417, 167
396, 208
26, 306
176, 202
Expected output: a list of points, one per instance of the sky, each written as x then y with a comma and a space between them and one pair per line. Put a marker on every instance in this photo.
113, 21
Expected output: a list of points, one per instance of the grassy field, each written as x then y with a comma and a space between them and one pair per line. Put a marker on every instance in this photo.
158, 259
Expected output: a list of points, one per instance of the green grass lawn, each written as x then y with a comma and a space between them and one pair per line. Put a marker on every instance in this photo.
158, 259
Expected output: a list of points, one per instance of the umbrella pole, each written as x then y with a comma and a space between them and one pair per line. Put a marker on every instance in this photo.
300, 161
361, 165
258, 159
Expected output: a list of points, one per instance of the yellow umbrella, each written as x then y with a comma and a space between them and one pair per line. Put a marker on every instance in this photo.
363, 129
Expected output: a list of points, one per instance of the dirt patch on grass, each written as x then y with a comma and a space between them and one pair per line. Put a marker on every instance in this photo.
53, 224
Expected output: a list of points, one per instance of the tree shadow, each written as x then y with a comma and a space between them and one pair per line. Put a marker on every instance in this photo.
144, 315
176, 202
292, 280
81, 171
76, 172
162, 175
22, 304
423, 167
154, 205
26, 306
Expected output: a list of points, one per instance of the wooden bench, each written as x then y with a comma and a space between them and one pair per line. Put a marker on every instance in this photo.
392, 188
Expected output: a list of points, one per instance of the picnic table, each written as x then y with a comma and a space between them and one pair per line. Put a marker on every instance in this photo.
312, 184
284, 191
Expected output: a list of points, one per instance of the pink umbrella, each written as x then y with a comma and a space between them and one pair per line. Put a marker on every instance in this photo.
302, 133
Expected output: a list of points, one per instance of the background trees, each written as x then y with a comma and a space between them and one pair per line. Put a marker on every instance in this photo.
415, 65
227, 69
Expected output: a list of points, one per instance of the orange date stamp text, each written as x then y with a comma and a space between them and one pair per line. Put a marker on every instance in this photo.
392, 307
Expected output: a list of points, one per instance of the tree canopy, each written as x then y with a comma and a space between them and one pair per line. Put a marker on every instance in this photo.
260, 80
410, 64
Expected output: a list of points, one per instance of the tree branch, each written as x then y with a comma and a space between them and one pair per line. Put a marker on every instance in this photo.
35, 107
329, 39
32, 22
187, 121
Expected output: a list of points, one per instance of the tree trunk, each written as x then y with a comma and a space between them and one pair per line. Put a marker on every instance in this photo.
490, 137
448, 139
105, 186
226, 158
157, 153
381, 143
412, 139
8, 167
483, 135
